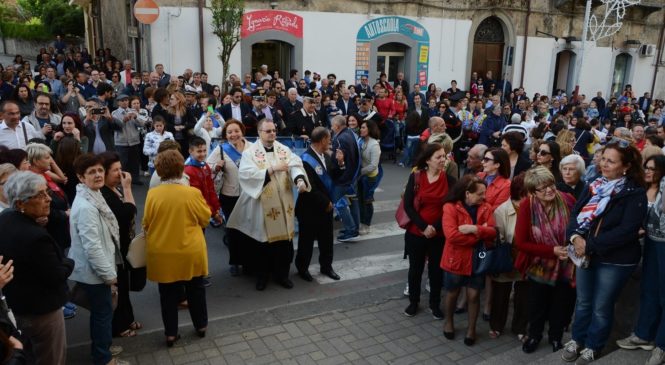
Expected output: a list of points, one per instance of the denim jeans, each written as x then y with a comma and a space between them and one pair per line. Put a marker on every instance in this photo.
410, 150
598, 287
101, 317
348, 213
650, 325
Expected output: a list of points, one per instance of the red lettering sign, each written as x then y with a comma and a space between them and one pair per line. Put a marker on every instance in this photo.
262, 20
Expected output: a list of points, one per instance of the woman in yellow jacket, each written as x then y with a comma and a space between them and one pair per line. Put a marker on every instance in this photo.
176, 255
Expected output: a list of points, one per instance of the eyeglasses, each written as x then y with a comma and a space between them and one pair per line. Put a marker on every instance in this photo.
622, 143
544, 153
269, 130
487, 159
42, 195
545, 188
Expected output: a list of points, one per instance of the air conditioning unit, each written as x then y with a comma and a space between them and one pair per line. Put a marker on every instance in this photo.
647, 50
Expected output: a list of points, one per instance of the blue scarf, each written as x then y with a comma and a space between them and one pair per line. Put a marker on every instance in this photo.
192, 162
231, 152
602, 191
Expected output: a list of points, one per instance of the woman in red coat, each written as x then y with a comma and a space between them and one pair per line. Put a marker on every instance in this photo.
467, 220
496, 174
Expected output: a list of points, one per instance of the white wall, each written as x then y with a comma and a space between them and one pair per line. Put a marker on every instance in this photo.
329, 46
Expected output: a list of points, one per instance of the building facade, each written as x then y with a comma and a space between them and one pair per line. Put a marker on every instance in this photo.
531, 43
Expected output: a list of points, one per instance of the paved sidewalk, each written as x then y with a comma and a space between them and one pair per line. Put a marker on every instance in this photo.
369, 334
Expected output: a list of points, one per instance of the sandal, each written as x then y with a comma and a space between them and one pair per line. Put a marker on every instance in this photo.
494, 334
136, 325
127, 333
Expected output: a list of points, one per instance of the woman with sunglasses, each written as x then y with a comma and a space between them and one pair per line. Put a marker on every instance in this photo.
540, 237
650, 326
609, 216
496, 174
549, 156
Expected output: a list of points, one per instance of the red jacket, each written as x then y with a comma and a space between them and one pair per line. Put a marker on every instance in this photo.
201, 178
498, 191
457, 255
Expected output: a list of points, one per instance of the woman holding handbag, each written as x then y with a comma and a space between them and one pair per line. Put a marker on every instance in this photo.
540, 236
467, 222
124, 209
423, 202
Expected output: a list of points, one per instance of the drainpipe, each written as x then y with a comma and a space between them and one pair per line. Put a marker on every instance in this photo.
526, 37
660, 55
201, 51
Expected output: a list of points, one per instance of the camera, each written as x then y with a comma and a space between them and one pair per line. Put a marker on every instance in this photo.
98, 111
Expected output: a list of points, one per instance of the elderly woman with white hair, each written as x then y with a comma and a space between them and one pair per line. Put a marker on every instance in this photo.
6, 170
572, 172
39, 288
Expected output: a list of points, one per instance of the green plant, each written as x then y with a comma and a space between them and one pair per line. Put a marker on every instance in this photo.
31, 32
62, 18
226, 22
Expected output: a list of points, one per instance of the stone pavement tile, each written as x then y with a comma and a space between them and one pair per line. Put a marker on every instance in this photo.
192, 348
247, 354
273, 343
371, 350
258, 347
227, 340
145, 359
211, 353
340, 345
454, 356
305, 360
381, 338
334, 360
471, 360
429, 343
175, 351
206, 344
295, 342
387, 356
263, 360
250, 335
235, 347
272, 330
328, 317
293, 330
317, 355
352, 356
289, 362
349, 338
187, 358
396, 349
327, 326
217, 361
371, 329
406, 360
438, 351
360, 344
283, 336
326, 347
315, 321
232, 358
304, 349
282, 355
337, 332
307, 328
316, 337
357, 332
356, 312
162, 357
375, 360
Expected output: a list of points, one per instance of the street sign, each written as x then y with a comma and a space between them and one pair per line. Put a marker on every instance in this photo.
146, 11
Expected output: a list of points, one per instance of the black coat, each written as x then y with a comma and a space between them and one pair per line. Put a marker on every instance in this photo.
107, 130
313, 205
40, 267
617, 241
304, 124
227, 112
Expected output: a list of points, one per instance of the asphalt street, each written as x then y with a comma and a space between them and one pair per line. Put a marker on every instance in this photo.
373, 262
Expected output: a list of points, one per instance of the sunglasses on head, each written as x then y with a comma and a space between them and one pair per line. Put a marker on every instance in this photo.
622, 143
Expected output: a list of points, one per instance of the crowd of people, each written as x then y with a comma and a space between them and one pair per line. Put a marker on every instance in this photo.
572, 184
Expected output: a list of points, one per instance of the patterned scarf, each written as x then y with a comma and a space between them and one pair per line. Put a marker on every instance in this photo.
602, 191
97, 200
550, 230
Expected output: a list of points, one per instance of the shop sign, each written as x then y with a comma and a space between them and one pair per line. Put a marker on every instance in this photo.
376, 28
263, 20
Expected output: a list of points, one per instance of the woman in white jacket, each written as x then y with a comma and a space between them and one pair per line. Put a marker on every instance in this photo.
95, 251
370, 172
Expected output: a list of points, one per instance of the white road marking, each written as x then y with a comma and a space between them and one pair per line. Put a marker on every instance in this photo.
386, 205
379, 230
360, 267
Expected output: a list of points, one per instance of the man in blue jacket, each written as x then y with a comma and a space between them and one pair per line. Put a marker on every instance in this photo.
492, 127
345, 140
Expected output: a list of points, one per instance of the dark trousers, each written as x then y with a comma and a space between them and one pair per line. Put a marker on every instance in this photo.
552, 304
101, 316
130, 159
170, 294
501, 305
421, 249
123, 315
274, 258
320, 230
233, 237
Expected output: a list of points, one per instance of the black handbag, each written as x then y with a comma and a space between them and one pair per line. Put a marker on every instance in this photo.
497, 260
137, 278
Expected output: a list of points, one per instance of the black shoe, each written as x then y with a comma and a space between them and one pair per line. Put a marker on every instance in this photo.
530, 345
206, 282
201, 333
305, 275
411, 310
261, 283
436, 313
286, 283
331, 274
469, 341
171, 342
556, 346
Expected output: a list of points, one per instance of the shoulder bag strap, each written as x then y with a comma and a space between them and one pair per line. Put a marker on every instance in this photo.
25, 133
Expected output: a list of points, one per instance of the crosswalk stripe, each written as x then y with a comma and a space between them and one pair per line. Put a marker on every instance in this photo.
360, 267
381, 230
385, 205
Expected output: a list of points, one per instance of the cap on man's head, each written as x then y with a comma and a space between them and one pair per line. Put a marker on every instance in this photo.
122, 97
259, 94
190, 90
314, 94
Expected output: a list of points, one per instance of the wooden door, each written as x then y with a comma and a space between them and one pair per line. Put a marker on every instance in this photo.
486, 57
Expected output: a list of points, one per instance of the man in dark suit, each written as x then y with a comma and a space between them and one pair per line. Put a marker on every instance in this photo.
307, 118
345, 140
401, 82
256, 114
644, 102
164, 78
363, 88
345, 104
290, 105
314, 209
416, 91
236, 109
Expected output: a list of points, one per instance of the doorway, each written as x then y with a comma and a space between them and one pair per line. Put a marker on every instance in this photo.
277, 55
621, 73
564, 72
488, 45
390, 59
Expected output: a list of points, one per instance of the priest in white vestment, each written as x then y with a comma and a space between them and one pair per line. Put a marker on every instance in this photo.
265, 210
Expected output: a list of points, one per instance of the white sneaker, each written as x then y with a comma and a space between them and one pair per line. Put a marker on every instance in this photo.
363, 230
115, 350
406, 290
587, 356
657, 357
633, 342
